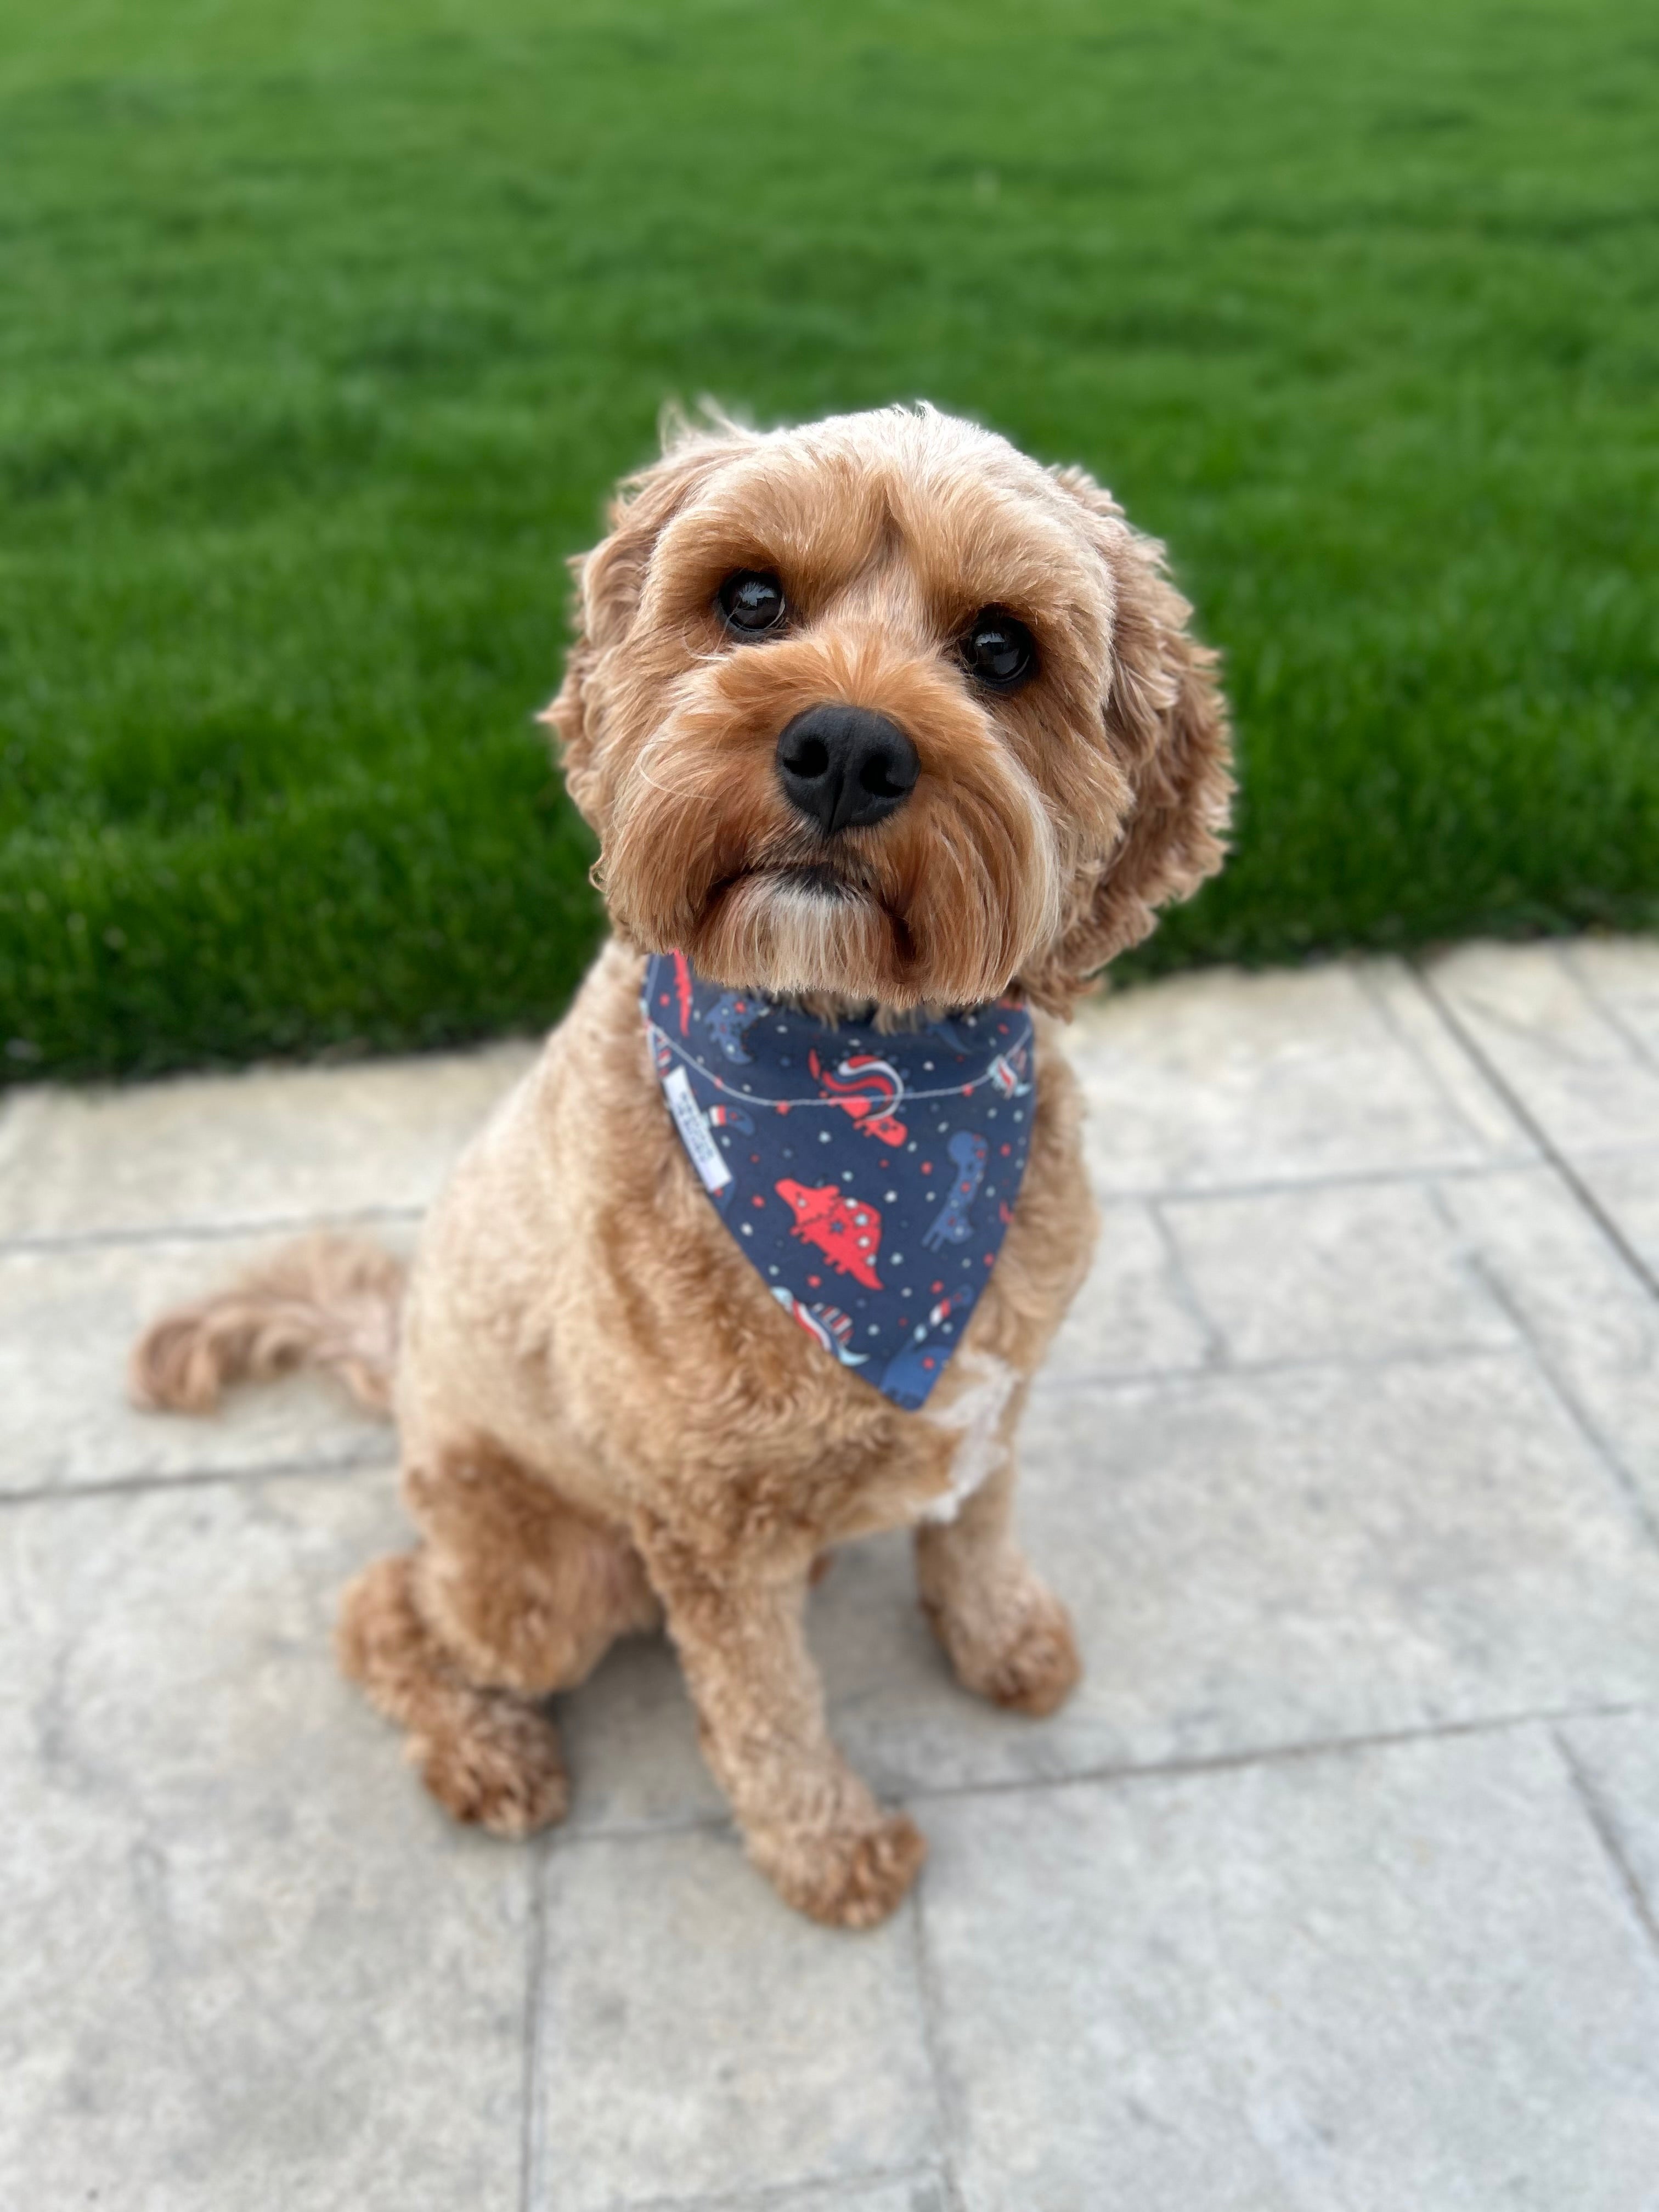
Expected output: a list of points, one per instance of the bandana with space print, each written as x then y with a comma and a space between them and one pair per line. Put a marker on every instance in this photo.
869, 1180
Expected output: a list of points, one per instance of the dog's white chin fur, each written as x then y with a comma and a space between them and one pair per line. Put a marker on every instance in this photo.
794, 939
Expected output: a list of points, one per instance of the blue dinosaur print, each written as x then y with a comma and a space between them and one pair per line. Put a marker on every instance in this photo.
951, 1226
729, 1016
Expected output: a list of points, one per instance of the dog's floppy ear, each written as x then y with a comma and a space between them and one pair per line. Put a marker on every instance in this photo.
1167, 722
610, 579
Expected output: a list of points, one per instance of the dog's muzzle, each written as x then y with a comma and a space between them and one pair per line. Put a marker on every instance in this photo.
844, 768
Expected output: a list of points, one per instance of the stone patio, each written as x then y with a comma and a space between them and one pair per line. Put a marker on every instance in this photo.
1336, 1885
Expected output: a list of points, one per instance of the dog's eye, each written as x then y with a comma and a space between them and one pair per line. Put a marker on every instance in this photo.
751, 600
997, 650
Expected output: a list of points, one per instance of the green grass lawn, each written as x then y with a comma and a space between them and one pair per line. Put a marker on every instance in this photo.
326, 325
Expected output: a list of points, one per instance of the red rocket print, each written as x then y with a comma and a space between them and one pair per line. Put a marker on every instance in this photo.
845, 1229
868, 1088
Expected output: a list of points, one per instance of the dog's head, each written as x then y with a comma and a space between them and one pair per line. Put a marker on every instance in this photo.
878, 709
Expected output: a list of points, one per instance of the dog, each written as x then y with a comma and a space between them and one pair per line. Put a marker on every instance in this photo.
890, 733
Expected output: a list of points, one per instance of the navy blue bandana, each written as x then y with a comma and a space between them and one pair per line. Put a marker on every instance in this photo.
869, 1179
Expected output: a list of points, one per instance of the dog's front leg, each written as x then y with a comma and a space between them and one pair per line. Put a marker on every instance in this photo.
810, 1824
1008, 1636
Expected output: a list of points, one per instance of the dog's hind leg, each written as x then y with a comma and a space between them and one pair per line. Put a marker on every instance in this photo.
512, 1594
486, 1755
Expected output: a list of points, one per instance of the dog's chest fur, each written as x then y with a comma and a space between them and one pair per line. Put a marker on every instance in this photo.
644, 1339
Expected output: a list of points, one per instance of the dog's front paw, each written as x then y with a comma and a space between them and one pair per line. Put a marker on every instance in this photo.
498, 1764
1021, 1653
844, 1877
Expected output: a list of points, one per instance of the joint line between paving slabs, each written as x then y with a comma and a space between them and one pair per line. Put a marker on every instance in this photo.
1216, 1350
1292, 1186
1275, 1754
1535, 1129
378, 1454
215, 1232
1123, 1379
945, 2103
533, 2149
569, 1838
199, 1478
1607, 1834
781, 2195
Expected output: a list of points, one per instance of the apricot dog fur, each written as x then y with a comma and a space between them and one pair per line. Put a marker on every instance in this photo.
605, 1420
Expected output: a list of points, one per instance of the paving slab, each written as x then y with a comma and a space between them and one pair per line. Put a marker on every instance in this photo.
697, 2038
1334, 1887
1576, 1055
275, 1144
1258, 1561
244, 1965
68, 1317
1221, 1079
1253, 1561
1355, 1272
1404, 1976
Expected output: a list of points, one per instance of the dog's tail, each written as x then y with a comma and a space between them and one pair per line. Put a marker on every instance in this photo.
324, 1301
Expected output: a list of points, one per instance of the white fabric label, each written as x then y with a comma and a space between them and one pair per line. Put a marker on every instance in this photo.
705, 1153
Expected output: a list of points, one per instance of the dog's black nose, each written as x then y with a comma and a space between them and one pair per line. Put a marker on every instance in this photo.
845, 767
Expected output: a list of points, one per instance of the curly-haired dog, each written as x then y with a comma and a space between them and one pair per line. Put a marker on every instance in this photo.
889, 731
